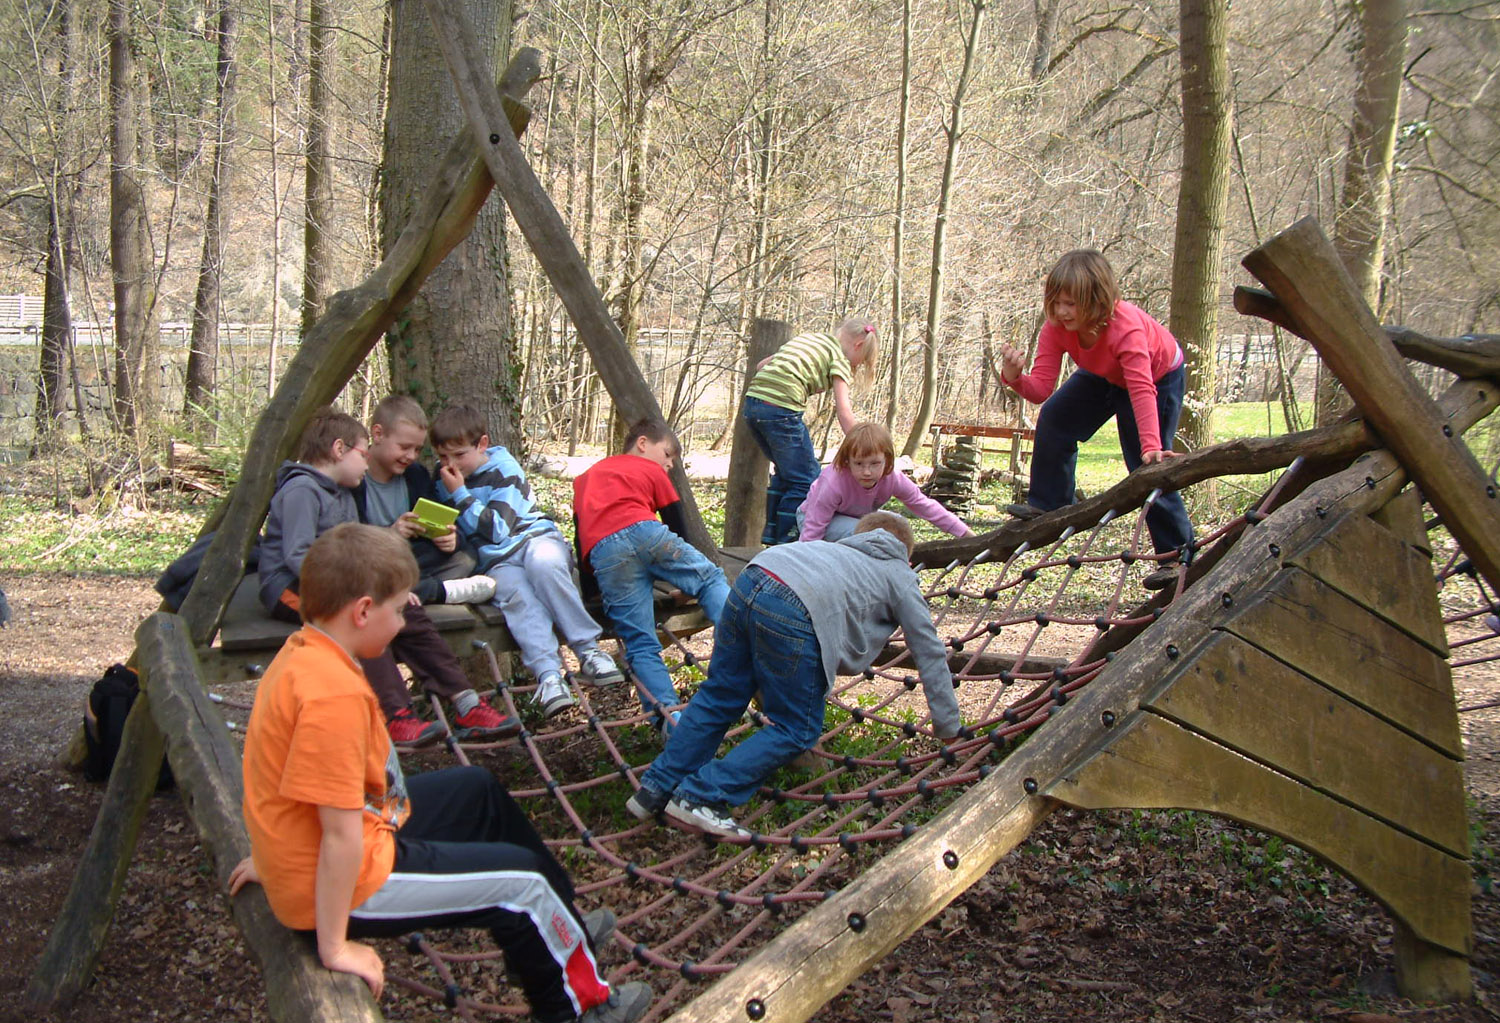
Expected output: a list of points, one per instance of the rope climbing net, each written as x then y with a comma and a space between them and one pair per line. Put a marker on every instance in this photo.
1024, 633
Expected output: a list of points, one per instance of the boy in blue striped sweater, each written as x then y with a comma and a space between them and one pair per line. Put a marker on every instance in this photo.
523, 551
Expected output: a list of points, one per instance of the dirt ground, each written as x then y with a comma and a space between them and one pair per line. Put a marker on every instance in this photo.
1110, 917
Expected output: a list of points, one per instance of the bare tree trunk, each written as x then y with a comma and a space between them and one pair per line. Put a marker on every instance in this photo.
457, 340
1359, 227
317, 255
203, 353
898, 230
57, 316
273, 62
129, 237
1201, 199
955, 132
1044, 37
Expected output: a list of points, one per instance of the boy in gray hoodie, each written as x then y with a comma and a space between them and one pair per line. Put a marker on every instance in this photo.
798, 615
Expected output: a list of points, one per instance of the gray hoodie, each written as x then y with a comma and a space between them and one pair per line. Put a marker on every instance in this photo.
307, 504
857, 592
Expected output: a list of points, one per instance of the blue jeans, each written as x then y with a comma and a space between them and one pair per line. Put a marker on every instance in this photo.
782, 435
1073, 414
764, 641
626, 562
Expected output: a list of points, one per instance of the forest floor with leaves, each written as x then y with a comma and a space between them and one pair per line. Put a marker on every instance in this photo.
1113, 917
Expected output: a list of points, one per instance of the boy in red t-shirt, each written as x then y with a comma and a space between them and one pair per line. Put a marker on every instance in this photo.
616, 503
346, 847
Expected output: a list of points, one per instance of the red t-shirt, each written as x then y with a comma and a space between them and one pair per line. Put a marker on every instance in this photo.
616, 492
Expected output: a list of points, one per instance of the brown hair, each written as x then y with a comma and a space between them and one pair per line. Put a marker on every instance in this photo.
350, 561
652, 428
327, 425
856, 328
864, 440
458, 424
398, 408
891, 523
1086, 277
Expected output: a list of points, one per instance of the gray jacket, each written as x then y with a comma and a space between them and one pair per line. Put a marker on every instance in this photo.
857, 592
306, 505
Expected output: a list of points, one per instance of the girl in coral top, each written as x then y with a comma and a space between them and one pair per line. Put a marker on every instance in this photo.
861, 480
1130, 368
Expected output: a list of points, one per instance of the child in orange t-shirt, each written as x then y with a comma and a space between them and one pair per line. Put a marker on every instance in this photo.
346, 847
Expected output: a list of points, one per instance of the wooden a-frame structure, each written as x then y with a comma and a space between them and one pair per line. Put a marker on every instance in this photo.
1141, 734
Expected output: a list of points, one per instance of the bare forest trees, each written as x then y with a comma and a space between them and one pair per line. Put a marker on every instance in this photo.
456, 340
131, 255
1199, 242
722, 162
203, 356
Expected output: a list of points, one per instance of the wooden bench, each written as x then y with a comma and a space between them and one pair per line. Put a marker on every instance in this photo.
248, 637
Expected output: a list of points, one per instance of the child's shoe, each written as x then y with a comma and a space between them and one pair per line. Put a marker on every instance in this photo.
411, 732
552, 694
711, 820
599, 669
1163, 577
647, 803
627, 1003
600, 925
1024, 512
485, 722
474, 589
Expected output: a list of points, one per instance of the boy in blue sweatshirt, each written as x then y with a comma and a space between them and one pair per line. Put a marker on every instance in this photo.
523, 551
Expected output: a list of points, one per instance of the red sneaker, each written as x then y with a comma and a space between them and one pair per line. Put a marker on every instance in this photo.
485, 722
411, 732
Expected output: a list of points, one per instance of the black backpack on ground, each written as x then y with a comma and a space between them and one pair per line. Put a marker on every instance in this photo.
104, 717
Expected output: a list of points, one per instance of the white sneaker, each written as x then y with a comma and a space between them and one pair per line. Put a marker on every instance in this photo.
599, 669
475, 589
711, 820
552, 694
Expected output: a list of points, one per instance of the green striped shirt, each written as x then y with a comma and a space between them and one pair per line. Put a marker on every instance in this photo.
807, 364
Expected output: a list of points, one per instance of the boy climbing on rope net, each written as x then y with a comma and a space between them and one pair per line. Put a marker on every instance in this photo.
345, 846
798, 616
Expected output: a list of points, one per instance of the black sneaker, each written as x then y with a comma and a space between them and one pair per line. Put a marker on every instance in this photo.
1024, 512
647, 803
1162, 577
627, 1003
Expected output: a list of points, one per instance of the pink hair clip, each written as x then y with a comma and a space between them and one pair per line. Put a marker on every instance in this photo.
869, 328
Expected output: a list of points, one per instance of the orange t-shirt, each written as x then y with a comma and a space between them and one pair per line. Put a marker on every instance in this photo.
317, 738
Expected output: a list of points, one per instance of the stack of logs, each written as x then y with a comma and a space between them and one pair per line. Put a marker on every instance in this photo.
953, 483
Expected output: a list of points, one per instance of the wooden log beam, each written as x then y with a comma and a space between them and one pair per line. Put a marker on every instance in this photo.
328, 357
1302, 269
207, 767
745, 491
66, 964
1474, 355
1247, 455
551, 243
799, 970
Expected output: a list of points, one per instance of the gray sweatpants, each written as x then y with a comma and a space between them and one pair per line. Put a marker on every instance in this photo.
535, 591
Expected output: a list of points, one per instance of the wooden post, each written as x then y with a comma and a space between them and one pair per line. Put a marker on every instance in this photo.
206, 765
745, 493
1302, 269
67, 963
550, 241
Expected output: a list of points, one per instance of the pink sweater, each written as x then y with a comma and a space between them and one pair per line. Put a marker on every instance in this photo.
836, 492
1133, 352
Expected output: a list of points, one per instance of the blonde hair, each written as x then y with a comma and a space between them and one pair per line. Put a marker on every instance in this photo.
1086, 277
858, 329
891, 523
350, 561
865, 440
398, 408
327, 425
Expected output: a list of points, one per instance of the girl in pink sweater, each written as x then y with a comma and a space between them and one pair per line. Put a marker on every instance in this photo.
861, 480
1130, 369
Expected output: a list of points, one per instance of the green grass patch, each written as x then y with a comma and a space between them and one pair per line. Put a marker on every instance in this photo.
36, 536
